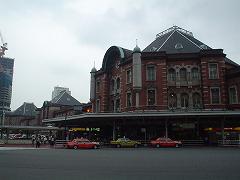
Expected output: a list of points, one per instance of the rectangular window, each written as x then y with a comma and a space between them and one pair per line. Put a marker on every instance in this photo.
195, 74
118, 105
129, 76
233, 95
213, 71
151, 73
215, 95
129, 99
151, 97
98, 86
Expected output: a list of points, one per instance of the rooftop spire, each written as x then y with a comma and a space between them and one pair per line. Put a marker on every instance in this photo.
93, 69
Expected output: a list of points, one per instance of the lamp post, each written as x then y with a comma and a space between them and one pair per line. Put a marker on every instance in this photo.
65, 129
2, 121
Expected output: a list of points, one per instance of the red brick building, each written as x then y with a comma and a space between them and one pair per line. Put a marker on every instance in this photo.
176, 87
175, 72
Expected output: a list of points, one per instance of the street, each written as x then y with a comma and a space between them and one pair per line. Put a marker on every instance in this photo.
203, 163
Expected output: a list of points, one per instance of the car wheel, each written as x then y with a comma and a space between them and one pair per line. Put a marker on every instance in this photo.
95, 147
177, 145
158, 146
118, 145
75, 147
135, 145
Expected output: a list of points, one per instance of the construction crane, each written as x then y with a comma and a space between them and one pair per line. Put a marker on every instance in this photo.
3, 46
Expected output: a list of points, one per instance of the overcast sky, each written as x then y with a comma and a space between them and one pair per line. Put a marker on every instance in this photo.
55, 42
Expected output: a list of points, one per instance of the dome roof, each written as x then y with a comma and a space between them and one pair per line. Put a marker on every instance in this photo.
136, 50
93, 69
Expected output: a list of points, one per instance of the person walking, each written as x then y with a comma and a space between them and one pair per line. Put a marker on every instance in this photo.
52, 141
38, 141
33, 140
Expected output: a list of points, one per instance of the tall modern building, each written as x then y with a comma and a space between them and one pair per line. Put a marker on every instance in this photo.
6, 77
57, 90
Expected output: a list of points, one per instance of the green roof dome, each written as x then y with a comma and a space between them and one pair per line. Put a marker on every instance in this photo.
136, 50
93, 69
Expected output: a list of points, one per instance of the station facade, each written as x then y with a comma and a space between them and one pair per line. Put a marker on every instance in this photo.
177, 87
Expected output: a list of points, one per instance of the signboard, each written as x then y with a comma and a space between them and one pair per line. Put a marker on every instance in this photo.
84, 129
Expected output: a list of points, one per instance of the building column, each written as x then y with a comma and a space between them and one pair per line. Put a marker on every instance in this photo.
222, 130
166, 128
114, 131
197, 127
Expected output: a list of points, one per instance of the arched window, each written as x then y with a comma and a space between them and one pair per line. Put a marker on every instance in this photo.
184, 100
171, 74
183, 74
196, 100
172, 101
118, 83
195, 74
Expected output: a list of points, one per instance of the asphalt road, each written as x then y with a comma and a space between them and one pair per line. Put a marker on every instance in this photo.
113, 164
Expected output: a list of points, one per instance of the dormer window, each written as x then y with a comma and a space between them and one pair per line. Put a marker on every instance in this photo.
178, 46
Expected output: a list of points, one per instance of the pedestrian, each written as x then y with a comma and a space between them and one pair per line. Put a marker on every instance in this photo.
53, 140
33, 140
38, 141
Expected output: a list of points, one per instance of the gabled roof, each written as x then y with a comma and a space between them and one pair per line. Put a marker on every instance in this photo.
176, 40
65, 99
27, 109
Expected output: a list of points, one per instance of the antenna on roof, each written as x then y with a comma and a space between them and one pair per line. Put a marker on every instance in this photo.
136, 42
94, 64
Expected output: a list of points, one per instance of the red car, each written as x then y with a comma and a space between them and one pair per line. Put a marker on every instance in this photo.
82, 143
165, 142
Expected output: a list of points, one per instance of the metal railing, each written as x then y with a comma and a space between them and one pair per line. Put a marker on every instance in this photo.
193, 142
60, 143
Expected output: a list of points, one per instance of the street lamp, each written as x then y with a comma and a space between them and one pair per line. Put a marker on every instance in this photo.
65, 129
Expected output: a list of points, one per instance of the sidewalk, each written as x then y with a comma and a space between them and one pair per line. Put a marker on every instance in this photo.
25, 145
